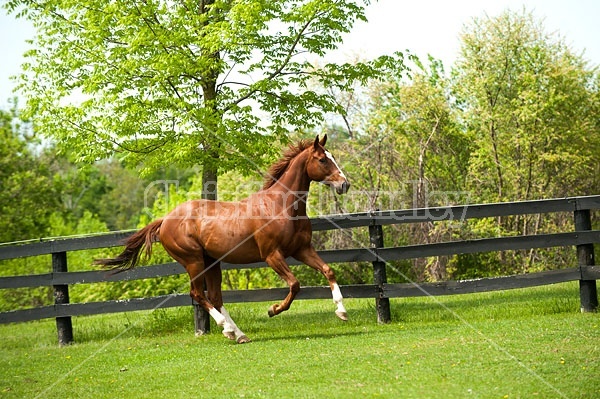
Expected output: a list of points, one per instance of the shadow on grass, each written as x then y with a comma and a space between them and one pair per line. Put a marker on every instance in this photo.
548, 300
303, 336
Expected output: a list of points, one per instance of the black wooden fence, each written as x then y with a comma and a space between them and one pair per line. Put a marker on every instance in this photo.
583, 238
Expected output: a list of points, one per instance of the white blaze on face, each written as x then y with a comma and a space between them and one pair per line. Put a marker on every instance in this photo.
332, 159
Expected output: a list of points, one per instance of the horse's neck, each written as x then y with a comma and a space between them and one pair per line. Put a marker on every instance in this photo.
293, 185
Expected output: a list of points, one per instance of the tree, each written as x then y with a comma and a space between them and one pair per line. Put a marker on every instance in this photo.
106, 189
531, 108
412, 132
420, 122
205, 82
28, 197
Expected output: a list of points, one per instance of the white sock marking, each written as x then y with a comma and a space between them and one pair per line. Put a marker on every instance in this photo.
219, 318
336, 293
230, 325
337, 298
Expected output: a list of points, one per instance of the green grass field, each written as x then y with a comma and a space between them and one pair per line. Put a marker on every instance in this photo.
513, 344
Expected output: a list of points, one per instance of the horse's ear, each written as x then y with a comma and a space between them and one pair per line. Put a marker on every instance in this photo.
323, 140
316, 143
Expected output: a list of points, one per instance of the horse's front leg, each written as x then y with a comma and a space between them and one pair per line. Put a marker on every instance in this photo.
277, 262
309, 256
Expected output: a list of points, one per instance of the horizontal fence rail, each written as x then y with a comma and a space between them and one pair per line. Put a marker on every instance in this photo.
582, 238
275, 294
334, 222
330, 256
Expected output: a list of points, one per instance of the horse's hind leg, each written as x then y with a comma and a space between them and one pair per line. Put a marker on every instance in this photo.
197, 274
231, 330
213, 284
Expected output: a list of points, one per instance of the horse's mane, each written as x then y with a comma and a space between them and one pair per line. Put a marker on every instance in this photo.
278, 168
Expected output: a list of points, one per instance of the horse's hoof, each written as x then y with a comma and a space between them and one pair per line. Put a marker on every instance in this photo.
229, 334
243, 340
342, 315
272, 311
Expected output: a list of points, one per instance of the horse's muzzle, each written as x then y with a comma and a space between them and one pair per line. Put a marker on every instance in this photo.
343, 188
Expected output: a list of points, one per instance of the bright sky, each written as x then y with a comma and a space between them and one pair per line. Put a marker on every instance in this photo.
421, 26
433, 26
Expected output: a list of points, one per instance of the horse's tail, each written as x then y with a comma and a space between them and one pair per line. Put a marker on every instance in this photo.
130, 256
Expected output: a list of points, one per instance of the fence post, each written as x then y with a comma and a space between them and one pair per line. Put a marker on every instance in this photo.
201, 317
201, 320
64, 325
588, 293
382, 303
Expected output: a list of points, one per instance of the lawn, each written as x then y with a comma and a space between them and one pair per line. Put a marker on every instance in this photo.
511, 344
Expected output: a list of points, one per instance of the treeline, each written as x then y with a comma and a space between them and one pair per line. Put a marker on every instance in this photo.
515, 118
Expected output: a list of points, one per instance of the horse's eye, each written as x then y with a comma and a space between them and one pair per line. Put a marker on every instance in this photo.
323, 160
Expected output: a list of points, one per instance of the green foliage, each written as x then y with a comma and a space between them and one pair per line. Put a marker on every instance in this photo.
28, 196
105, 189
530, 107
22, 298
41, 186
516, 120
11, 299
409, 151
184, 83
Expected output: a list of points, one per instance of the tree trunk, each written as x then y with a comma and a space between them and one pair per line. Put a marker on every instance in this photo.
494, 139
209, 182
209, 168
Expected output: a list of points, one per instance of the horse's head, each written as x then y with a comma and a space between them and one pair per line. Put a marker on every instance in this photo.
323, 168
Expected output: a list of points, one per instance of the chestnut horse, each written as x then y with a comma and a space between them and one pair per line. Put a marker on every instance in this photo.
270, 225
